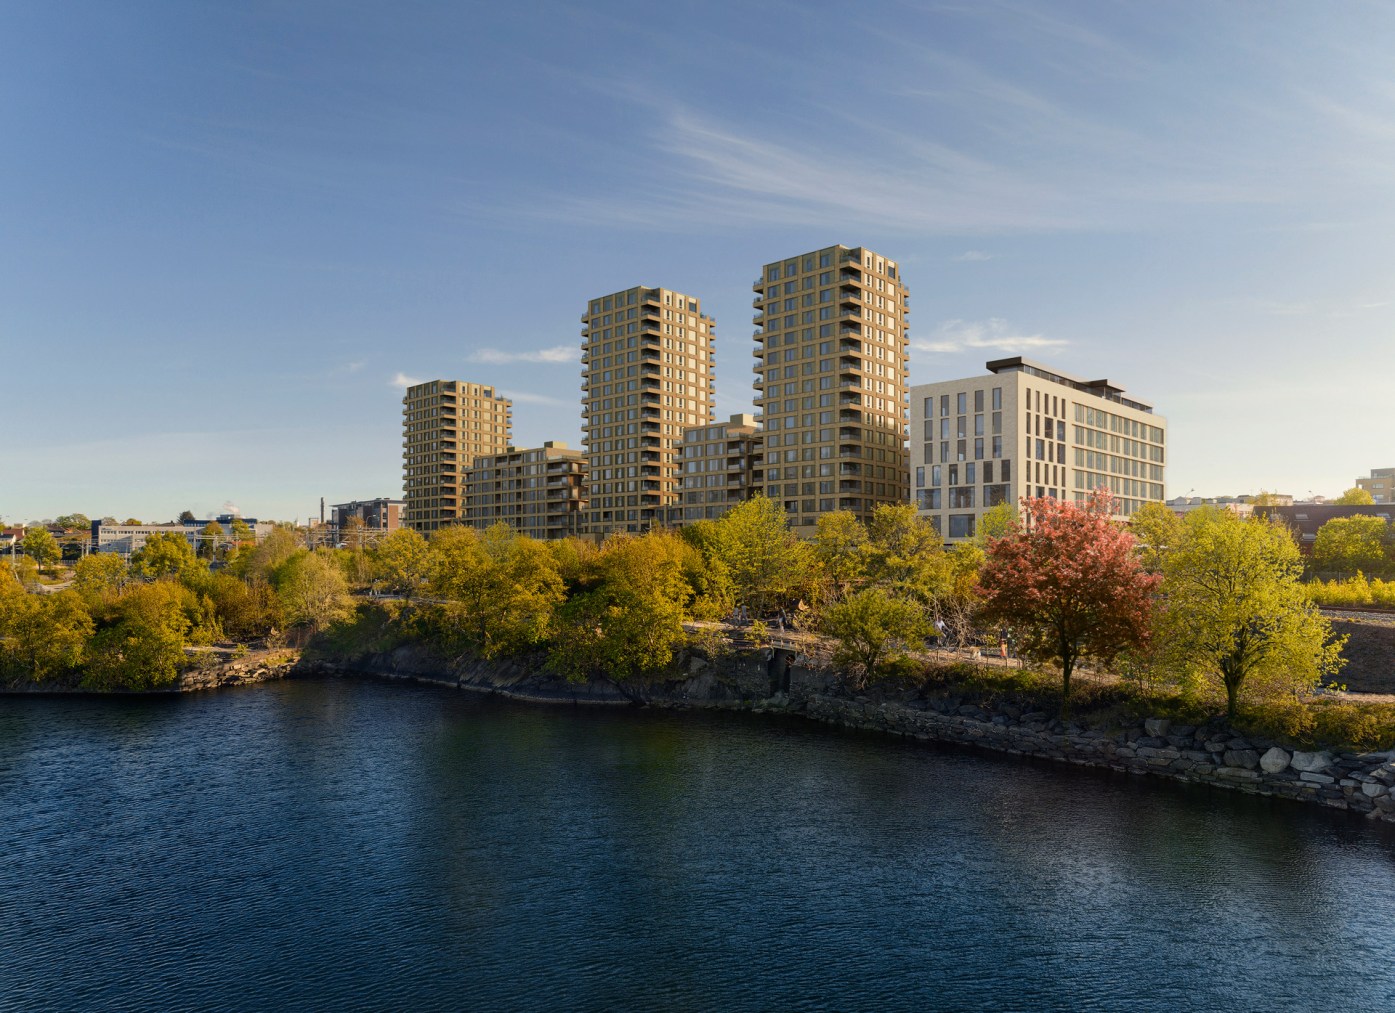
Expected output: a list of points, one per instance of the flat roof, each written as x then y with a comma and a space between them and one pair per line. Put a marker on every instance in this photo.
1100, 388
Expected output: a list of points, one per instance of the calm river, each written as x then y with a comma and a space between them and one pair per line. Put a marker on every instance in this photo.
341, 845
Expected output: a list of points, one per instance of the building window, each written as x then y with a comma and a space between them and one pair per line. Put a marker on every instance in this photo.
961, 525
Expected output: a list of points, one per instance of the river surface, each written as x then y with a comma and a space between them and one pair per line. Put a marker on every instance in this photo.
358, 845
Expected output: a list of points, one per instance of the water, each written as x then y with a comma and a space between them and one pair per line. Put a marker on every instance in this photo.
364, 846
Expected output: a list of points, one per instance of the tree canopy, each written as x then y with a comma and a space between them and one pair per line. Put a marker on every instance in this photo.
1355, 496
1347, 545
1234, 609
1069, 583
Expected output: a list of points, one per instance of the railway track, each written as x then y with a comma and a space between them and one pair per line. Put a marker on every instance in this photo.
1359, 613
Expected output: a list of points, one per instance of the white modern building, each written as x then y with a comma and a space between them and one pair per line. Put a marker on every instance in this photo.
1027, 430
127, 538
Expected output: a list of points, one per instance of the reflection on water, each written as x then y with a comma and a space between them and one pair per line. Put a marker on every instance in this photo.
339, 845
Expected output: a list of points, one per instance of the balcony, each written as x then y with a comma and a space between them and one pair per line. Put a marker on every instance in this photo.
849, 433
850, 485
848, 364
850, 468
847, 397
758, 285
849, 415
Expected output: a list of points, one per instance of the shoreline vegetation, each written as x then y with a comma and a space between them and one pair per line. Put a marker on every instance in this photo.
1184, 620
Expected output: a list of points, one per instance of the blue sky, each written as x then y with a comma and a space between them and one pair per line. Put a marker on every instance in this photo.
230, 231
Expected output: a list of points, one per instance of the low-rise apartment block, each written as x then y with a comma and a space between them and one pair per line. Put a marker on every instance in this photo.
1027, 430
537, 491
721, 466
382, 514
1380, 484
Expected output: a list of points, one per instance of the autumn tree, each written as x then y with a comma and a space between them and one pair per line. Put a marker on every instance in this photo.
840, 552
1235, 611
1069, 583
142, 644
1355, 496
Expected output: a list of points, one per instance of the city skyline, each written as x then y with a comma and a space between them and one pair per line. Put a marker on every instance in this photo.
233, 236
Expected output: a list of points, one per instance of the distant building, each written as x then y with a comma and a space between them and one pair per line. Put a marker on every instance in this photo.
1239, 505
1304, 519
1026, 430
720, 467
381, 514
446, 424
1381, 484
127, 538
9, 536
534, 491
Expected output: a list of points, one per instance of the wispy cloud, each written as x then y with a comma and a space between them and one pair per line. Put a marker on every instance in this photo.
555, 355
402, 380
994, 333
528, 397
349, 367
969, 256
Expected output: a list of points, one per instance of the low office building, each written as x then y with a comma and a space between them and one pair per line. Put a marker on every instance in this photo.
382, 514
1026, 430
128, 538
720, 465
535, 491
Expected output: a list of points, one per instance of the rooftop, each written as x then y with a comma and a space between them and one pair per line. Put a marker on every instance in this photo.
1099, 388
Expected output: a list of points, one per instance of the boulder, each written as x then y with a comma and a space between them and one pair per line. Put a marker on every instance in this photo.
1371, 789
1156, 727
1247, 758
1274, 760
1313, 762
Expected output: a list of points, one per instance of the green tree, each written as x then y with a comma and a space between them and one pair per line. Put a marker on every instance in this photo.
143, 645
133, 520
769, 565
1234, 608
871, 628
41, 635
624, 620
186, 517
905, 555
1069, 583
242, 531
209, 537
1347, 544
1157, 530
1355, 496
164, 554
70, 522
313, 591
263, 559
498, 591
40, 546
996, 522
840, 552
99, 576
399, 562
246, 609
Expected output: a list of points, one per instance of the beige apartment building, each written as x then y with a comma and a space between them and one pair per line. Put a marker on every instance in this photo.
831, 380
1380, 484
647, 360
720, 464
1027, 430
536, 491
446, 424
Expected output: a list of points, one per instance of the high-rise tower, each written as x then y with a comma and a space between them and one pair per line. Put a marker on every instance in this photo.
647, 356
446, 424
831, 379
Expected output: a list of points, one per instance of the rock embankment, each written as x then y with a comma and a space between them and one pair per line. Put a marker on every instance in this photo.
265, 666
1209, 754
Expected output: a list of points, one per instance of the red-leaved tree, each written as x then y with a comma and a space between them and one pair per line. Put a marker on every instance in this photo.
1069, 583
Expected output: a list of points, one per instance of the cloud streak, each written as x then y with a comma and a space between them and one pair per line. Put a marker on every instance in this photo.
556, 355
994, 334
402, 381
